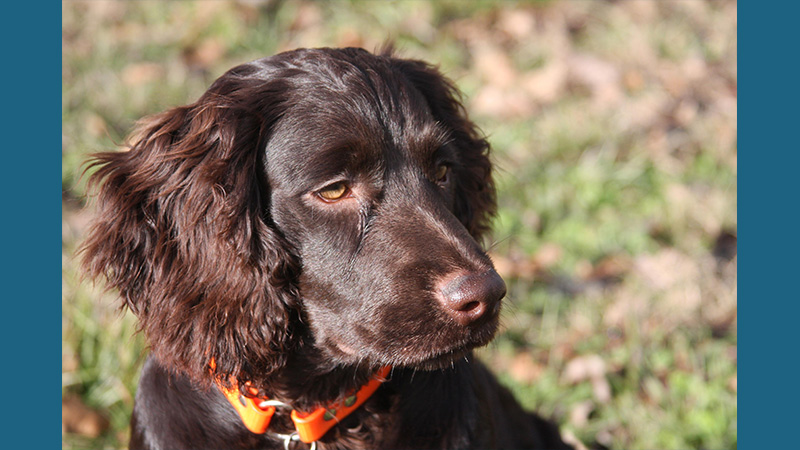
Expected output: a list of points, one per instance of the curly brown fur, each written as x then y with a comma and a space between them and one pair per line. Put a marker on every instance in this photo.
214, 228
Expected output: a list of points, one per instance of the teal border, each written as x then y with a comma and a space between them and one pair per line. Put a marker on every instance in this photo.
31, 138
768, 198
768, 298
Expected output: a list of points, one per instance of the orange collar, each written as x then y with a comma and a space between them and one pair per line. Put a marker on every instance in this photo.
310, 426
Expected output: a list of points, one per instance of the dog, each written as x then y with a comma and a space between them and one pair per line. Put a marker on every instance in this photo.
301, 249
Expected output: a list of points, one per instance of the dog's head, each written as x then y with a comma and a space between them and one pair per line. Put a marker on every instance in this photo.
326, 200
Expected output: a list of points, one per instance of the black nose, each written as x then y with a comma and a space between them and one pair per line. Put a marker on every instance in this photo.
471, 297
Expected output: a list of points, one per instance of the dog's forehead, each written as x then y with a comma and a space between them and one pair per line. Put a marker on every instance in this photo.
347, 121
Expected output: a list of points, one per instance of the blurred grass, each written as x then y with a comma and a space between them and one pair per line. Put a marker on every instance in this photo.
614, 131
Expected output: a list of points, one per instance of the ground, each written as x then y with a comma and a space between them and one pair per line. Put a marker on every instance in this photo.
614, 131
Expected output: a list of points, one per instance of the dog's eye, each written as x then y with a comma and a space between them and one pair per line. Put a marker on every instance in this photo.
333, 192
441, 173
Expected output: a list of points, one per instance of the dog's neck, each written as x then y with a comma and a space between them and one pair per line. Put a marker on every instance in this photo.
307, 382
257, 412
305, 387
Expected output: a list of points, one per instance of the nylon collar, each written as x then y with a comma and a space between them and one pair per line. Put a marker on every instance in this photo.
256, 413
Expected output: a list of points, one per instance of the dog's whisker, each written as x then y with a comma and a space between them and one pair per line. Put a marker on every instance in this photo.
497, 242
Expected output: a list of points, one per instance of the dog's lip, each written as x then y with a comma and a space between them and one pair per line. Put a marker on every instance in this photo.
430, 359
445, 357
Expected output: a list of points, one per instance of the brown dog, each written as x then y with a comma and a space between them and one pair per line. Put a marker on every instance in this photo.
312, 218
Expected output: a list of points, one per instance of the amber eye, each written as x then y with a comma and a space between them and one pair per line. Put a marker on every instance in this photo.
441, 173
333, 192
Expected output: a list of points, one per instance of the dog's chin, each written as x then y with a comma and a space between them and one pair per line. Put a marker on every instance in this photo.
444, 360
446, 356
436, 358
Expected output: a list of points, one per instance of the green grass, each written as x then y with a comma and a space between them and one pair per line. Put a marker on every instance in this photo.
610, 204
101, 356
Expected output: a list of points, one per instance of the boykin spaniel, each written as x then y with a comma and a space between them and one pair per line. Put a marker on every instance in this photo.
301, 247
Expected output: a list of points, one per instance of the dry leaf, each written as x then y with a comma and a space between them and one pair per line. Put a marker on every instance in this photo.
138, 74
80, 419
584, 367
518, 23
206, 54
494, 65
579, 415
600, 77
548, 255
547, 84
96, 125
524, 368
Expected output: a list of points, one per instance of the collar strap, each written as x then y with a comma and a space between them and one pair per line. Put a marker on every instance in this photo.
310, 426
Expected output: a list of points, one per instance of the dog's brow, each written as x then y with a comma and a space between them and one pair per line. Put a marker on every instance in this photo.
345, 157
428, 141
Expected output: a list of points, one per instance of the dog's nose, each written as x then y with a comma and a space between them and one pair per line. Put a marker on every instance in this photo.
471, 297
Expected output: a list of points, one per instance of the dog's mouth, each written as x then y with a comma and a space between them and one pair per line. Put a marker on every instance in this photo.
445, 358
435, 360
434, 350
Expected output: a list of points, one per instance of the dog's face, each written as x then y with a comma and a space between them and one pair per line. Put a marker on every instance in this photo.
327, 195
364, 188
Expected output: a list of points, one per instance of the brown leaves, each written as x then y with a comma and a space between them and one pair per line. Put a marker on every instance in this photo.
590, 368
524, 368
78, 418
205, 53
670, 288
140, 73
528, 268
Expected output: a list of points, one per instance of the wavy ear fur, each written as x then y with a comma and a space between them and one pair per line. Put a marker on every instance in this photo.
475, 203
182, 230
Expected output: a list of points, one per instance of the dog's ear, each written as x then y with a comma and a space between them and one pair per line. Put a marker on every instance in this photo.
475, 202
182, 230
